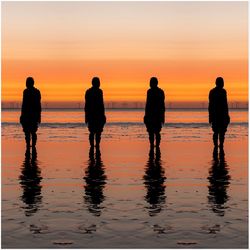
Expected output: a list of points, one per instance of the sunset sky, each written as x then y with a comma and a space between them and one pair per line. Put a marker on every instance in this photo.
64, 44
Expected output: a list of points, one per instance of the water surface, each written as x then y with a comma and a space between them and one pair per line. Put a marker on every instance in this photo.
184, 197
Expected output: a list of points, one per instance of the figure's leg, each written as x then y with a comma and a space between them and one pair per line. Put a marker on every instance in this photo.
34, 139
158, 139
215, 139
222, 138
151, 138
91, 139
98, 139
215, 135
27, 138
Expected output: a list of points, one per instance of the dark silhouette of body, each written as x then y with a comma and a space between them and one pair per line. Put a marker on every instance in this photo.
219, 180
31, 111
154, 112
218, 112
154, 182
95, 112
30, 181
95, 179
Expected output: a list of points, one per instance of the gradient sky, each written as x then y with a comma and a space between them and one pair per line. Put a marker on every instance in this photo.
64, 44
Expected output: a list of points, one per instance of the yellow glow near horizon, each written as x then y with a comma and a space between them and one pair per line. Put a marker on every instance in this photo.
185, 44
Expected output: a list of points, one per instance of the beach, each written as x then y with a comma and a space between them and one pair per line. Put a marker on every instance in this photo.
183, 197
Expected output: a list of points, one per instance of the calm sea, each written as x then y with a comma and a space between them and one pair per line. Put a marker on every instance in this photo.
68, 124
66, 197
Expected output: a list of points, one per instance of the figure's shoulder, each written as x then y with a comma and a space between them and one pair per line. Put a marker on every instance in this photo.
161, 91
224, 91
149, 91
212, 91
88, 91
37, 91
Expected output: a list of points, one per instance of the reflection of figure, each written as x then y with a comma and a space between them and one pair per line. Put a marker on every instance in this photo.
30, 179
95, 112
218, 112
95, 179
154, 112
154, 182
31, 111
219, 180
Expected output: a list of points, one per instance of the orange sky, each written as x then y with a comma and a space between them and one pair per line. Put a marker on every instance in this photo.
185, 44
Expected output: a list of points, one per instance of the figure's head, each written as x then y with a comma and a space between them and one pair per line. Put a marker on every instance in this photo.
153, 82
29, 82
96, 82
219, 82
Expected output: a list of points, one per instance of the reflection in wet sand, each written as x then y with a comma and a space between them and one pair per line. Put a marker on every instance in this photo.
29, 180
219, 180
154, 182
95, 179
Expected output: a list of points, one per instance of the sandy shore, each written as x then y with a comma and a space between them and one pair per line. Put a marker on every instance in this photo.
124, 198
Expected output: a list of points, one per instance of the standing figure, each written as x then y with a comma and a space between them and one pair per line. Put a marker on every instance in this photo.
154, 112
94, 112
218, 112
31, 112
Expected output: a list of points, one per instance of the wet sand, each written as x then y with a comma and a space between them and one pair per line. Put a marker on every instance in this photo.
124, 198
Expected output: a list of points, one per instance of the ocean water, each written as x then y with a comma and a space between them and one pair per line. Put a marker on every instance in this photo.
69, 125
64, 196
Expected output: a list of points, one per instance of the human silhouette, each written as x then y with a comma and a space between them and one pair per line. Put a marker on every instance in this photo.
219, 180
154, 182
95, 112
95, 179
218, 112
154, 112
31, 112
30, 182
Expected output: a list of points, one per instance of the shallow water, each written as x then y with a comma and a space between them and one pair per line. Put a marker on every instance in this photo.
185, 197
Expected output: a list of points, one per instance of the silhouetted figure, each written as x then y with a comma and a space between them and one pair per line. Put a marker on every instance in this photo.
218, 112
154, 182
154, 112
95, 179
30, 179
219, 180
95, 112
31, 111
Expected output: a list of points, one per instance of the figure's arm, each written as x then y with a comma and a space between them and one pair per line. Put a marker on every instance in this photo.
86, 107
146, 108
22, 110
39, 107
210, 107
102, 107
163, 107
102, 103
226, 108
